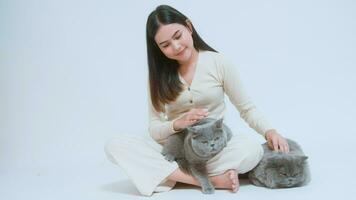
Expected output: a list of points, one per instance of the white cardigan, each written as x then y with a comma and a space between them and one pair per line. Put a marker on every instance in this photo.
214, 76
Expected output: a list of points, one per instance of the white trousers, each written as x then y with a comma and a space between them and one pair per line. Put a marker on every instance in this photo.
140, 158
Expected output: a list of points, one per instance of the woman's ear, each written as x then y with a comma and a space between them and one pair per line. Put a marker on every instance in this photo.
189, 25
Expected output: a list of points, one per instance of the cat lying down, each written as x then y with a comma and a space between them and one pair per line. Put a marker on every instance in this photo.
281, 170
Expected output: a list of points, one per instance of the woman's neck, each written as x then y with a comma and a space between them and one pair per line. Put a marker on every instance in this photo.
186, 66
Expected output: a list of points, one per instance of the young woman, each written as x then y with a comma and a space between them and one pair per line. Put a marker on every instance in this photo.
187, 82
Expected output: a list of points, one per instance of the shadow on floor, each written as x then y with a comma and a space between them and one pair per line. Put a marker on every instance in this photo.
128, 188
123, 187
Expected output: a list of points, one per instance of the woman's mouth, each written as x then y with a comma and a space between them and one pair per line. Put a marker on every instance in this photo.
181, 52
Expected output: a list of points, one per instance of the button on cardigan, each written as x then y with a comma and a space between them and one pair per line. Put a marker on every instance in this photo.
214, 76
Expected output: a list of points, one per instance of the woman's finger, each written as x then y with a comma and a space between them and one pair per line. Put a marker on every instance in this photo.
280, 145
199, 111
269, 143
191, 119
287, 147
201, 114
198, 117
275, 144
193, 122
188, 118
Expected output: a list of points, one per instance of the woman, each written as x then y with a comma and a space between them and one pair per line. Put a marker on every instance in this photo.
187, 82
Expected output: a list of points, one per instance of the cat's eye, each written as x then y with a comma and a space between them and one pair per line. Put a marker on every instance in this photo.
205, 142
217, 138
283, 174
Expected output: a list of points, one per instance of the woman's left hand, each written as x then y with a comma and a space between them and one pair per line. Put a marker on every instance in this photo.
276, 142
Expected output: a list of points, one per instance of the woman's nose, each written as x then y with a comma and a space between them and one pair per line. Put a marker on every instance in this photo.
176, 45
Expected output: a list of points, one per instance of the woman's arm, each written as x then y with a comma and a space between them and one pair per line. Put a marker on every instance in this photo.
235, 91
239, 98
158, 127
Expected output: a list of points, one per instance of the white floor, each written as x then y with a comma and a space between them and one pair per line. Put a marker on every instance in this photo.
106, 181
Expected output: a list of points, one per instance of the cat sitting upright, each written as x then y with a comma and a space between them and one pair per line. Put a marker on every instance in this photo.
281, 170
194, 146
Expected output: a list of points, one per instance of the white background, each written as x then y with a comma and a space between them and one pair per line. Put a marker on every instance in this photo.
73, 74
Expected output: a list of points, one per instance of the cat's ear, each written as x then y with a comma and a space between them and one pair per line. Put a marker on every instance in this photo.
191, 129
302, 159
193, 132
219, 123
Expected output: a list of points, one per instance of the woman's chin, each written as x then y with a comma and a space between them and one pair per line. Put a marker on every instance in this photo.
184, 56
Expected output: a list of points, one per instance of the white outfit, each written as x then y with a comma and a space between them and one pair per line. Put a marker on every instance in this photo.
140, 157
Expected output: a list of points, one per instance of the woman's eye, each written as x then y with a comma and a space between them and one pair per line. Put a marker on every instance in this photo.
178, 36
165, 46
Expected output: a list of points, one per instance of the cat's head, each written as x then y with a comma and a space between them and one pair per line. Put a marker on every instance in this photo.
208, 139
285, 170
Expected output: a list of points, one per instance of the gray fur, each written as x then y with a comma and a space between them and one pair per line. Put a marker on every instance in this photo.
281, 170
194, 146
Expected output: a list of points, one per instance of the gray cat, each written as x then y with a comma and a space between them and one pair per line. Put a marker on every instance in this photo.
194, 146
281, 170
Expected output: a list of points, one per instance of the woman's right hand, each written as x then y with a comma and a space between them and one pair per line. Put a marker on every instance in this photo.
191, 117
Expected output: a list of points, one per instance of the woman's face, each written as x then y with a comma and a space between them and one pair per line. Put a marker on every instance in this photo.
175, 41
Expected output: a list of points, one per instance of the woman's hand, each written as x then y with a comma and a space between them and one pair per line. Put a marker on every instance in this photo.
189, 118
276, 142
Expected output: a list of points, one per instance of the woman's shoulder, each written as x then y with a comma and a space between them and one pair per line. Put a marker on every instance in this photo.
210, 53
216, 56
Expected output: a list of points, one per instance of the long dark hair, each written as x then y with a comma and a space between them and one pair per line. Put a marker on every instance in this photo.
164, 82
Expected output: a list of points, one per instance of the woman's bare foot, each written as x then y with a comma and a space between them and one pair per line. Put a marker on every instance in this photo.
227, 180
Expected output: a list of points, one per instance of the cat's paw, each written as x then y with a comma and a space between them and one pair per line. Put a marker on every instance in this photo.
208, 190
